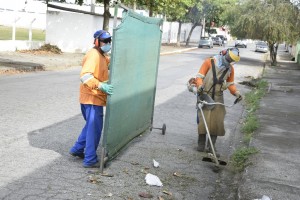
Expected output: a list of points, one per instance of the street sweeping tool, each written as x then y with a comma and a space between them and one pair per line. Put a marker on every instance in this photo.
209, 103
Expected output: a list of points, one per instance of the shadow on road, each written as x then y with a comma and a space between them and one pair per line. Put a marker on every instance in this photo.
65, 178
57, 137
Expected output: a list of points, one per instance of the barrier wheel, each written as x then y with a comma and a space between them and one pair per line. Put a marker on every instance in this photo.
164, 128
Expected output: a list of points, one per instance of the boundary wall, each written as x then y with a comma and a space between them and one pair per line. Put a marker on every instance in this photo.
73, 32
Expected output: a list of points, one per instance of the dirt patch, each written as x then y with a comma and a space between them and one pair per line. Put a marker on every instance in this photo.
24, 61
38, 52
37, 60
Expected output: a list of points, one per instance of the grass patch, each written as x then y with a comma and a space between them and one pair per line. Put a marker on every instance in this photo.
240, 158
21, 34
252, 100
251, 124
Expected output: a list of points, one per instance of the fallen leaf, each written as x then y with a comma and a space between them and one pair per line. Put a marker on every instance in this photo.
177, 174
93, 179
145, 195
109, 195
166, 192
107, 175
160, 198
144, 171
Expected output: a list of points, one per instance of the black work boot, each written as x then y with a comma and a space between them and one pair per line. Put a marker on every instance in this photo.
201, 142
213, 140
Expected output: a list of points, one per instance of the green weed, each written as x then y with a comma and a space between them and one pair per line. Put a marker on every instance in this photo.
252, 99
240, 158
251, 124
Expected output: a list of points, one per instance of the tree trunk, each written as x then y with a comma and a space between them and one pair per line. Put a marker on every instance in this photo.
106, 15
150, 7
190, 34
151, 12
134, 5
208, 30
178, 34
273, 53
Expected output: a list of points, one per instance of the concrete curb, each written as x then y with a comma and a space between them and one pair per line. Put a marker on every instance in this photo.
178, 51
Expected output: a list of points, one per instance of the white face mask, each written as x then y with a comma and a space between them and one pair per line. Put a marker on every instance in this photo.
106, 48
225, 62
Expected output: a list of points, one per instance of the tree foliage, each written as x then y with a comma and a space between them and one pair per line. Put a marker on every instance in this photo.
106, 14
273, 21
153, 6
177, 11
210, 11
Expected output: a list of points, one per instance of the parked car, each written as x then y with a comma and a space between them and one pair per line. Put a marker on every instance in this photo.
217, 41
241, 43
223, 38
261, 47
206, 42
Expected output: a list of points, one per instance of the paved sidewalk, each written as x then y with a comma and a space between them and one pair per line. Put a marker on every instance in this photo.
275, 170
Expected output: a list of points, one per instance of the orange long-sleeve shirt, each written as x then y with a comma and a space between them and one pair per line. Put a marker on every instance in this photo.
206, 66
94, 70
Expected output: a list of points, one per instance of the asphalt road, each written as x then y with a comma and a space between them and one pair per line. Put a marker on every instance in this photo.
40, 120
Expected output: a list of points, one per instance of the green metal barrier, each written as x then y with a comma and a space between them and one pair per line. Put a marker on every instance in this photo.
134, 65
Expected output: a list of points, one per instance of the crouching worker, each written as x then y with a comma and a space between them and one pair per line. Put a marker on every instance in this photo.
93, 93
215, 75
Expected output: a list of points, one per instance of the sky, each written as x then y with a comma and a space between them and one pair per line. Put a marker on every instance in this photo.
12, 4
28, 5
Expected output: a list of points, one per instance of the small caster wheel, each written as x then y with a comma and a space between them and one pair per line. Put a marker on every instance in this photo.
164, 127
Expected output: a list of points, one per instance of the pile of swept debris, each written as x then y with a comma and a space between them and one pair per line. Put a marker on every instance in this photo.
45, 49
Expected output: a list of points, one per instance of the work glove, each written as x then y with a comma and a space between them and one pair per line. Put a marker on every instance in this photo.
200, 90
107, 88
238, 96
191, 85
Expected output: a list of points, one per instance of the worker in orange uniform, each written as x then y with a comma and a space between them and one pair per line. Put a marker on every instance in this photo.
215, 75
93, 93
